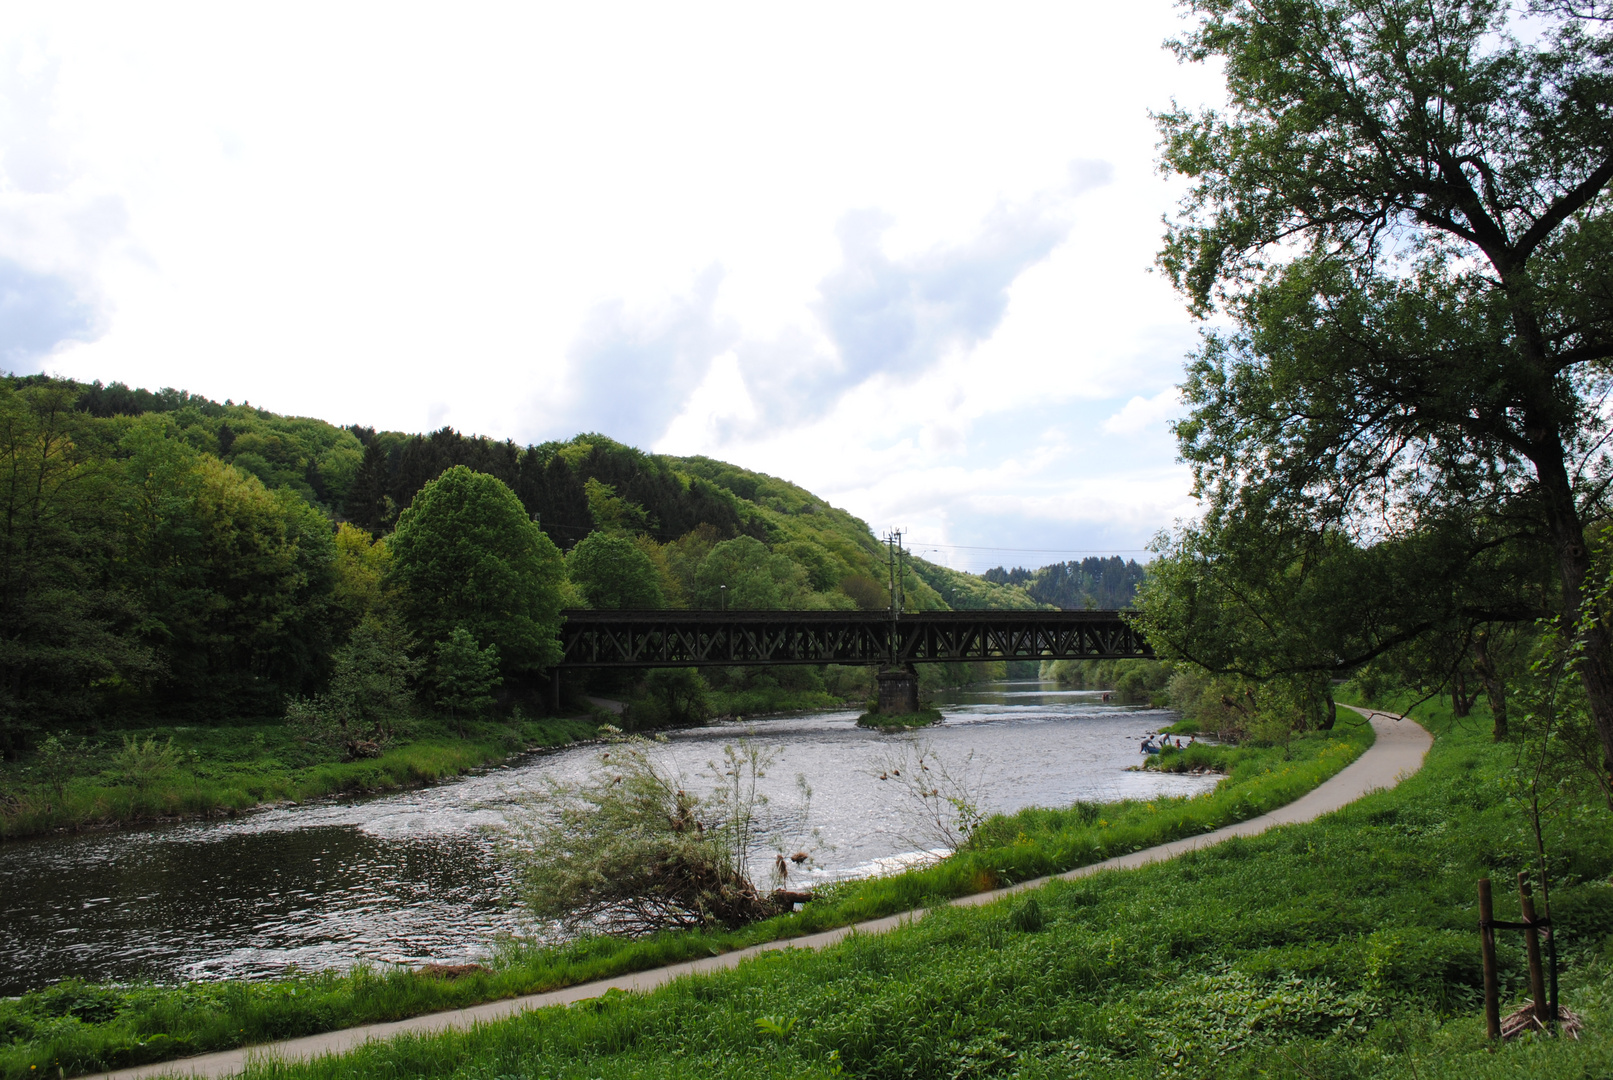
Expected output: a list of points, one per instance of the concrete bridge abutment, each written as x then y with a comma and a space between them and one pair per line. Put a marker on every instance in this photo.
899, 690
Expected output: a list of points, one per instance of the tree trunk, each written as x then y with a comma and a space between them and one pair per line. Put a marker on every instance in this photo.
1461, 700
1574, 567
1484, 664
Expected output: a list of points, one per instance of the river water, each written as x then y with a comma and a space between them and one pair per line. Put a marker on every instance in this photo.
416, 877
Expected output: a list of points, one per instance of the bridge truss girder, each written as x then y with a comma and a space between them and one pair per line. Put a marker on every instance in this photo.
637, 639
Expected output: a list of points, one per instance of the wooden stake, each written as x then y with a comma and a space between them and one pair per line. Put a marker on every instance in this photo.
1492, 989
1531, 941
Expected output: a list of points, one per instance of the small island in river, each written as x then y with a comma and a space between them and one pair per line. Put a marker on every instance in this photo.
891, 722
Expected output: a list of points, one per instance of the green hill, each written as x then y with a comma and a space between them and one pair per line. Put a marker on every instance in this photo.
368, 477
166, 554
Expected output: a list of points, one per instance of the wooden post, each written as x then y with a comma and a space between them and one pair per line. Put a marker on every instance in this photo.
1492, 989
1531, 941
1551, 949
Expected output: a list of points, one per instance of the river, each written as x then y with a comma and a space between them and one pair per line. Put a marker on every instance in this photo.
415, 877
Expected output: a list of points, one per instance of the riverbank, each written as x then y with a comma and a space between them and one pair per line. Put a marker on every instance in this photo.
1346, 947
81, 1028
170, 773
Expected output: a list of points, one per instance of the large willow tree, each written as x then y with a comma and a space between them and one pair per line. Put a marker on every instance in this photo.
1404, 212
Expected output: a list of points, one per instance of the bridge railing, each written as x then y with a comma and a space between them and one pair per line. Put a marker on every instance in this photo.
596, 639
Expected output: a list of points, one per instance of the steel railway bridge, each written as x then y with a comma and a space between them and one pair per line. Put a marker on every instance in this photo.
639, 639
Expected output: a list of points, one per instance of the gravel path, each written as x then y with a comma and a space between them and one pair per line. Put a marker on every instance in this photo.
1397, 753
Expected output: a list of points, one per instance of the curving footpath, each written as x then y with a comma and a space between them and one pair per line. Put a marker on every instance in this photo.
1396, 754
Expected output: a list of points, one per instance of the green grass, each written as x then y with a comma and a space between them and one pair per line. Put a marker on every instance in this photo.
224, 770
899, 721
1193, 757
52, 1029
1346, 948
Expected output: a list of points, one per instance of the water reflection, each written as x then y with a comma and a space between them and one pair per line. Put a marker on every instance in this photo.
414, 877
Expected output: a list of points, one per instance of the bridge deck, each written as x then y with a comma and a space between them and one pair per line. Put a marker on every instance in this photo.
596, 639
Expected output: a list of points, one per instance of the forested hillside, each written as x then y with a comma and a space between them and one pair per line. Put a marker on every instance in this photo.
1091, 583
163, 554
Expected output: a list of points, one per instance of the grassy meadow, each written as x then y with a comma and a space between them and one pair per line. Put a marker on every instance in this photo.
77, 1027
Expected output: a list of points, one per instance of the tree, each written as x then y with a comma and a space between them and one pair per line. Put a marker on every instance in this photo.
369, 694
614, 573
65, 628
368, 503
1258, 600
463, 676
679, 696
235, 578
614, 514
742, 574
358, 576
465, 554
1405, 212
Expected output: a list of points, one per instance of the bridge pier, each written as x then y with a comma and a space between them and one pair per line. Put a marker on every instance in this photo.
899, 690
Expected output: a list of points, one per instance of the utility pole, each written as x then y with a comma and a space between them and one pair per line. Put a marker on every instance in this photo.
893, 543
898, 685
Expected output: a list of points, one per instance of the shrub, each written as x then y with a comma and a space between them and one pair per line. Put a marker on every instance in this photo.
143, 764
630, 850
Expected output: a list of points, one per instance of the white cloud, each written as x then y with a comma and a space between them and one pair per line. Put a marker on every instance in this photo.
721, 400
1141, 413
899, 254
39, 313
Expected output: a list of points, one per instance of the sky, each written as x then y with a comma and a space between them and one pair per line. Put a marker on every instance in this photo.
899, 254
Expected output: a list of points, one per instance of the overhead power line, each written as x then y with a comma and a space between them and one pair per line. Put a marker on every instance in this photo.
1034, 551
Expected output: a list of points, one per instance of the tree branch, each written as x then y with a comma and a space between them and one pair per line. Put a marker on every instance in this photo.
1559, 211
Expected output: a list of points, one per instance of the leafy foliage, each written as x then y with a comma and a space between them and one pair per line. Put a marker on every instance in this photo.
144, 764
1400, 441
465, 554
631, 850
1134, 682
464, 675
222, 770
681, 696
62, 629
172, 556
1093, 582
370, 696
614, 573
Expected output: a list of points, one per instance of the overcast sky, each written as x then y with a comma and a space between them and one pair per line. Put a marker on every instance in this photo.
898, 254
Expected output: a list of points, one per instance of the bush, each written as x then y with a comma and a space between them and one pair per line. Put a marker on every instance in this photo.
143, 764
676, 696
369, 695
1134, 682
631, 851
